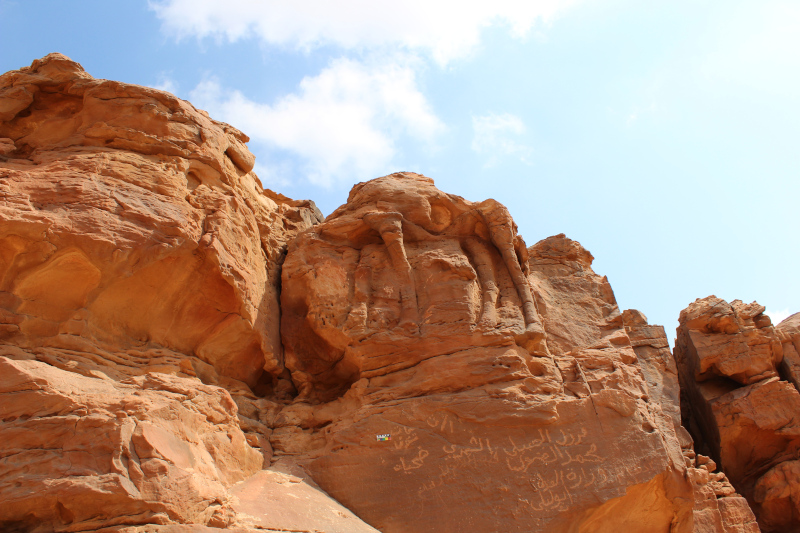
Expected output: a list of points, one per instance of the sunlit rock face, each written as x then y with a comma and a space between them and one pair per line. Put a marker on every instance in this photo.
452, 379
139, 276
738, 399
132, 219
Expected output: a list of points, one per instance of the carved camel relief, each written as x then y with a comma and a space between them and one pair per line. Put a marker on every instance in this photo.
414, 213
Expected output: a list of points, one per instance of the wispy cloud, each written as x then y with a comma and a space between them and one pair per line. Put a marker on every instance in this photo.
166, 83
446, 29
494, 135
342, 124
778, 316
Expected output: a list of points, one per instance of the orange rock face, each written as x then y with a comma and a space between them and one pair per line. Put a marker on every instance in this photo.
132, 219
452, 379
789, 334
182, 351
139, 264
152, 449
738, 407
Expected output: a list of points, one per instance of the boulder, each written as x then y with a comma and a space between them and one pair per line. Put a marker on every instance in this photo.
737, 407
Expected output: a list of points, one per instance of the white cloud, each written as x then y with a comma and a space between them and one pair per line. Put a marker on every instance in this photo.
447, 29
273, 175
165, 83
343, 123
778, 316
494, 136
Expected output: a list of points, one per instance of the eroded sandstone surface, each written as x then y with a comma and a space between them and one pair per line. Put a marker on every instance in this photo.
139, 273
183, 351
130, 218
740, 401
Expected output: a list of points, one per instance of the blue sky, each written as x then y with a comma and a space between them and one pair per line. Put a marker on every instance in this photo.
663, 136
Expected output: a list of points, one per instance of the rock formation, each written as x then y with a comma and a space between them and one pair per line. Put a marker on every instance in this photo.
139, 264
130, 218
184, 351
737, 402
504, 376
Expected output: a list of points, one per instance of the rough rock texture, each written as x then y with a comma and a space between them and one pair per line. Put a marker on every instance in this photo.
658, 366
504, 377
739, 410
139, 272
154, 448
131, 219
789, 334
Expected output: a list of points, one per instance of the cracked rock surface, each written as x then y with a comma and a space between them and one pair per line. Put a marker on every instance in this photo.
739, 399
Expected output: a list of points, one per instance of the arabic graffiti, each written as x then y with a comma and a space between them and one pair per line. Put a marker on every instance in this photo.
544, 451
442, 422
560, 465
414, 463
556, 463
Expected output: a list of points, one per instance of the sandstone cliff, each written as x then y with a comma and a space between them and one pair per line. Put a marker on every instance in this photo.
181, 350
139, 272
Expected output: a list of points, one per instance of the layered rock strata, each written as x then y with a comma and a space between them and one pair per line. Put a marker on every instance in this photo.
739, 405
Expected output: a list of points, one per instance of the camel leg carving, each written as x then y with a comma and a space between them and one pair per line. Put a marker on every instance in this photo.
356, 323
390, 227
501, 230
482, 260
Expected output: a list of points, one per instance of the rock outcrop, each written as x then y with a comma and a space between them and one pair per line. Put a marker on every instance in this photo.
789, 334
132, 219
139, 275
182, 351
739, 407
443, 365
